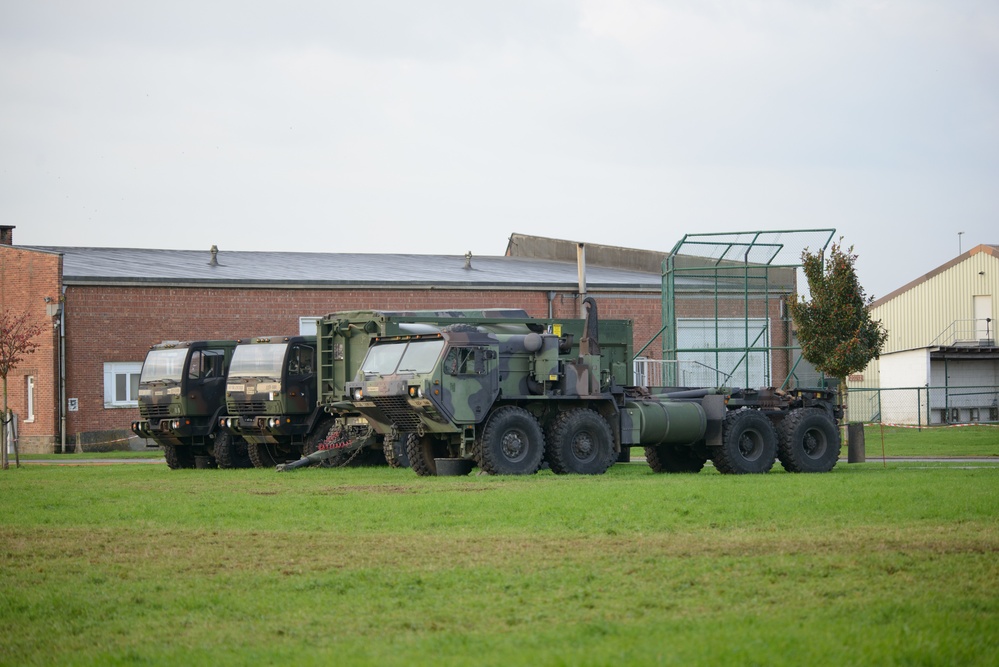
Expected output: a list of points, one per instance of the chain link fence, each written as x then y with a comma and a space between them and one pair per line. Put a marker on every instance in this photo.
924, 406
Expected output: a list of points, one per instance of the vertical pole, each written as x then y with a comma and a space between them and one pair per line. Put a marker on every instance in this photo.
919, 407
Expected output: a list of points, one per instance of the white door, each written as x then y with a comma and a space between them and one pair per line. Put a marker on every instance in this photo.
984, 329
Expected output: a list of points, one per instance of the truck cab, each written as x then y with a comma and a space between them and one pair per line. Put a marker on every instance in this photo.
271, 397
181, 397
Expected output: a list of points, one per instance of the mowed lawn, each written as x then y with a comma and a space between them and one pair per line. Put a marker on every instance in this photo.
891, 563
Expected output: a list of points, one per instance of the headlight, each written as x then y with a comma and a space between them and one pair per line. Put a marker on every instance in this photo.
416, 392
357, 393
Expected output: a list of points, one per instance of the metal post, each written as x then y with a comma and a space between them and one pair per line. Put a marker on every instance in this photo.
855, 446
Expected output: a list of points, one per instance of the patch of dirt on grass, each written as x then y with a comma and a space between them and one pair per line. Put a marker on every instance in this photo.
209, 552
369, 488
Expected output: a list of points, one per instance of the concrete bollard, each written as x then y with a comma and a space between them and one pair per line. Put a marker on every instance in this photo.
855, 447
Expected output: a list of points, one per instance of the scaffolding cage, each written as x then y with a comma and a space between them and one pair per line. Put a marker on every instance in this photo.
725, 311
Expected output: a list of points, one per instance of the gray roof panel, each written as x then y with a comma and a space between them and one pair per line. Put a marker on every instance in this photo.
144, 266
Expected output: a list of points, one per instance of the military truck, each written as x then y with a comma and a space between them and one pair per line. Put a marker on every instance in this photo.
272, 400
509, 400
181, 397
344, 338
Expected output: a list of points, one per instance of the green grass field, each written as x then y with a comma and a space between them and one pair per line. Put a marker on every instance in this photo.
973, 440
893, 564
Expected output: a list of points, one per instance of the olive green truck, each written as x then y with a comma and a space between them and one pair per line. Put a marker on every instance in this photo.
509, 398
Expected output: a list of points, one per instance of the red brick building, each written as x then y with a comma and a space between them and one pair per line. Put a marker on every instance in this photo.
103, 307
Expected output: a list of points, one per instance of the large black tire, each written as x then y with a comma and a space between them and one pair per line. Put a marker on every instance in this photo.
808, 441
675, 458
512, 443
395, 451
178, 456
262, 455
422, 450
231, 452
316, 438
580, 441
749, 444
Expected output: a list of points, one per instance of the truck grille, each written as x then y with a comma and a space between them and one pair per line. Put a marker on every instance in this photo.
397, 410
248, 407
154, 411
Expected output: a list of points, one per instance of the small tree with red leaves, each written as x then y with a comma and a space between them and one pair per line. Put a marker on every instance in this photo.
16, 334
835, 328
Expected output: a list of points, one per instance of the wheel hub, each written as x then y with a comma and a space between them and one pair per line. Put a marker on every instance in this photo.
750, 445
514, 445
813, 444
582, 446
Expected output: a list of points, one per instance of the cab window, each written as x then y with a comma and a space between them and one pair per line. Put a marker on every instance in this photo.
301, 360
464, 361
206, 364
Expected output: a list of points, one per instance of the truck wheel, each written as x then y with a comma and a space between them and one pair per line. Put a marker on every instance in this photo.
231, 452
262, 455
580, 441
395, 452
178, 457
316, 438
674, 458
808, 441
511, 443
749, 444
422, 450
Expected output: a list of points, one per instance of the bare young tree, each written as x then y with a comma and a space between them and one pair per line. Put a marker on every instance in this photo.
835, 328
16, 334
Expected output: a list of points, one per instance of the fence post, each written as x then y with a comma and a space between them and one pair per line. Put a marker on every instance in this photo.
919, 408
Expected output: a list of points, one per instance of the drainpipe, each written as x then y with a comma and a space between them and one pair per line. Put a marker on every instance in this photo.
551, 308
581, 270
62, 371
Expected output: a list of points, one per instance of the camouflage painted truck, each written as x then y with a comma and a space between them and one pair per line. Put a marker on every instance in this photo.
507, 401
344, 338
181, 397
272, 399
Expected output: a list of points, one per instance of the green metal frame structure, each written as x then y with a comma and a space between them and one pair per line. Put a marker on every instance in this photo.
740, 281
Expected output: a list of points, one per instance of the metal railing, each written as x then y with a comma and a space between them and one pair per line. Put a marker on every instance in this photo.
924, 406
656, 373
967, 333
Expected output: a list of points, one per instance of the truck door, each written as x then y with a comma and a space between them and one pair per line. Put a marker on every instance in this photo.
470, 380
205, 381
301, 371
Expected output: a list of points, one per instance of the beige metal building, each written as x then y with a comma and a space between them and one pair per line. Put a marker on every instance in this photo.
941, 361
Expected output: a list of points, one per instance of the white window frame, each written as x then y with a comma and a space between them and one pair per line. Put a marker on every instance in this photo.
112, 370
29, 399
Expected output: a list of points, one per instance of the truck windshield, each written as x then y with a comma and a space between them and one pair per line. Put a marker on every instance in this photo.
418, 356
164, 365
260, 360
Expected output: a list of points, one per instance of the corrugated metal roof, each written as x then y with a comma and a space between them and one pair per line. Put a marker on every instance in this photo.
151, 266
989, 249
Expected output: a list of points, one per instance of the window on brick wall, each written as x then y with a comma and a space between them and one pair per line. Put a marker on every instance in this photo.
121, 384
307, 325
29, 395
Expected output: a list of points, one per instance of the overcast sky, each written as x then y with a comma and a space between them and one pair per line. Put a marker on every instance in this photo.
443, 126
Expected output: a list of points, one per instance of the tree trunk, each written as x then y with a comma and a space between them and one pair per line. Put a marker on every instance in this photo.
844, 392
3, 429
